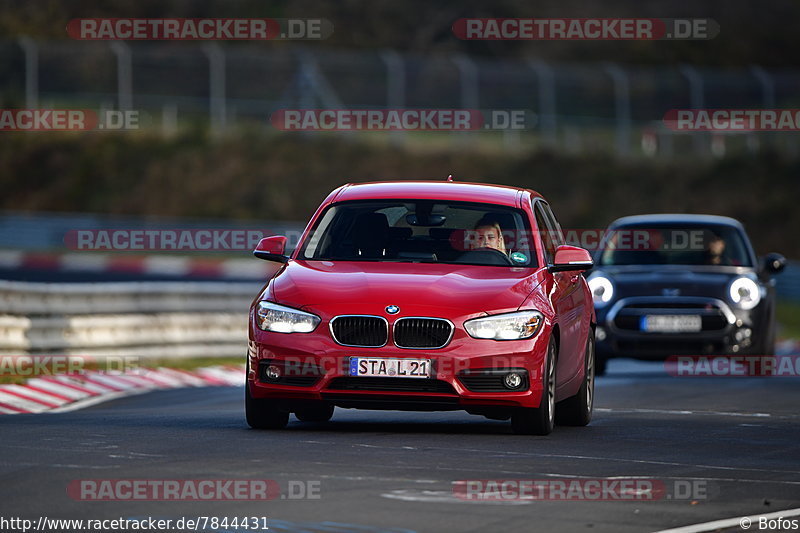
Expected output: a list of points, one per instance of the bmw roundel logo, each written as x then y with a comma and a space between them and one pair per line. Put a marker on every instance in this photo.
392, 309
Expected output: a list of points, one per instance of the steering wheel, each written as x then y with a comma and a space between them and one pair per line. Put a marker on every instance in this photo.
496, 257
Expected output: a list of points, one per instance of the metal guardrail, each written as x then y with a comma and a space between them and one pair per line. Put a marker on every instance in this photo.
142, 319
150, 319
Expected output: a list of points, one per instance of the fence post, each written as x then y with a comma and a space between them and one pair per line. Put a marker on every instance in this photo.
767, 86
767, 83
314, 83
395, 87
31, 51
622, 106
547, 99
468, 78
124, 75
216, 87
696, 100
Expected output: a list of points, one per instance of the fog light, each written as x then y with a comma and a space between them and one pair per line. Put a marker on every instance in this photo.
512, 380
743, 334
273, 373
600, 334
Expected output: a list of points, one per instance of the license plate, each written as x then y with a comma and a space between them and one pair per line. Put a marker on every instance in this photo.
390, 368
671, 323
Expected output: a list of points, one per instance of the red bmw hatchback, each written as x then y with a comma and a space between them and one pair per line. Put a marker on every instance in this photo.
425, 296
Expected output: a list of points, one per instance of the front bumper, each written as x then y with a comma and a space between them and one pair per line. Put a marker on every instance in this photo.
723, 330
464, 373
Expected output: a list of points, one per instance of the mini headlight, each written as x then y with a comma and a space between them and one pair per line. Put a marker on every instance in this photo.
602, 290
745, 293
278, 318
505, 327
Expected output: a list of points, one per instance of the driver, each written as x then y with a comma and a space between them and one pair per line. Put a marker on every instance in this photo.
715, 251
488, 234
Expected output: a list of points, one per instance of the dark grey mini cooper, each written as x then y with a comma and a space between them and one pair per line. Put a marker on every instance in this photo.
682, 285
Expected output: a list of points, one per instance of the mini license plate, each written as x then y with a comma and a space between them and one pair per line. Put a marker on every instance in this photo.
671, 323
390, 368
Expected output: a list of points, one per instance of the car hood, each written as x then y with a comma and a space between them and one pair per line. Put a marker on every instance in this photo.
441, 290
650, 280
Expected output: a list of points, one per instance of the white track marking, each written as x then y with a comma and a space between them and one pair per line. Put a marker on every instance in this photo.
732, 522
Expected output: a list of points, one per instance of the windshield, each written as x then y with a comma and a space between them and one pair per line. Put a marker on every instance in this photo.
675, 244
423, 231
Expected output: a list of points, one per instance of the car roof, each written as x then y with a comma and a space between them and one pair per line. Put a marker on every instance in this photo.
434, 190
667, 218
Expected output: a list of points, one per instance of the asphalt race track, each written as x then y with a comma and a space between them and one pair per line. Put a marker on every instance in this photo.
736, 439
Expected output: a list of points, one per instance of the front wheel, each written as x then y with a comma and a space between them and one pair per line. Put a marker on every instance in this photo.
577, 410
540, 420
262, 413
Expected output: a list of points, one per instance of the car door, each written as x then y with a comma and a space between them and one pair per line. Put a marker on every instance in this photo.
567, 298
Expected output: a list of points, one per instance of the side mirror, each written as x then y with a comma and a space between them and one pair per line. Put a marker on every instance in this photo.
571, 258
272, 249
773, 263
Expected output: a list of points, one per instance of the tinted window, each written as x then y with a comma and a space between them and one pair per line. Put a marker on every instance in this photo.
558, 236
422, 231
675, 244
546, 232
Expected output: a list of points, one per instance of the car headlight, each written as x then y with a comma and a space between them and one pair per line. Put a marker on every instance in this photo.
273, 317
505, 327
745, 293
602, 290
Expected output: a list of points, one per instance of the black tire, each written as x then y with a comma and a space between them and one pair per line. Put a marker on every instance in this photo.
540, 420
319, 413
263, 413
577, 410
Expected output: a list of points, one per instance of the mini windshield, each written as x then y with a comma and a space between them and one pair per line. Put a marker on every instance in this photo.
424, 231
675, 244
